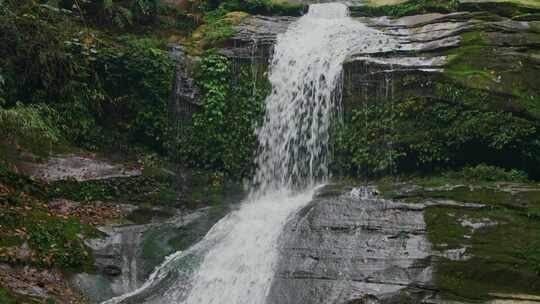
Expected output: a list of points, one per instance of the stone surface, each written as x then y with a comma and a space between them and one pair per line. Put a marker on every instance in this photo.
77, 167
121, 260
342, 249
185, 97
256, 34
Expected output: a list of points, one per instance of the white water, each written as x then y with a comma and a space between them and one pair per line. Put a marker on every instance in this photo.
306, 84
234, 263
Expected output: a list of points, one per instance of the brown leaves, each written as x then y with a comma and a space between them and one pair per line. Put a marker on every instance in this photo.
44, 283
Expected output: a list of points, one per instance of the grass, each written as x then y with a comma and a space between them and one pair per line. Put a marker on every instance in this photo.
218, 26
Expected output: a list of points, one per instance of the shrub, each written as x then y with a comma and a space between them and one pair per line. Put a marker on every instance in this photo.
221, 137
29, 125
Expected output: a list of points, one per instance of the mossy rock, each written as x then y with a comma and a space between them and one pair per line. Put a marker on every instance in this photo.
396, 8
506, 8
502, 255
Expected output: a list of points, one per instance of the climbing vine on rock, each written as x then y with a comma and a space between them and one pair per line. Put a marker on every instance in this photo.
221, 136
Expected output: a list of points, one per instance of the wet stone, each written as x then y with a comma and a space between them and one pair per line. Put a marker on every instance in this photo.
79, 168
347, 248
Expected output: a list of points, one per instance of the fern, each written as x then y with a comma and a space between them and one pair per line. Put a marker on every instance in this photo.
30, 125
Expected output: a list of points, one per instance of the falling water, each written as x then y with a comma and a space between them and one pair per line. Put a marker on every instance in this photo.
235, 262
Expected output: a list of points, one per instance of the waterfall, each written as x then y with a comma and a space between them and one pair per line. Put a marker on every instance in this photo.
235, 262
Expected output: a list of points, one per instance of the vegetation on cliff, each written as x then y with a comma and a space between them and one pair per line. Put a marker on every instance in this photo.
96, 75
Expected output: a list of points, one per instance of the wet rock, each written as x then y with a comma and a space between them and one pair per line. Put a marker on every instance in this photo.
476, 224
116, 256
345, 249
80, 168
256, 32
112, 270
122, 258
185, 97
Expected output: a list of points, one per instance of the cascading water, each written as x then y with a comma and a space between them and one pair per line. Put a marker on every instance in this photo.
235, 262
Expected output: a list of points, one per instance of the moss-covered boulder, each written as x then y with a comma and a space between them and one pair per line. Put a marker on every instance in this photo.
496, 251
462, 90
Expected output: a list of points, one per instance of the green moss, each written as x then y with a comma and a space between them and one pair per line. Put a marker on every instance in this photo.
464, 62
479, 65
486, 173
21, 183
475, 279
504, 255
218, 26
8, 297
535, 26
444, 229
407, 8
506, 8
266, 7
134, 190
527, 17
54, 241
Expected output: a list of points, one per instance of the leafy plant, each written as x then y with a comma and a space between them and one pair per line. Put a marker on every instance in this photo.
30, 125
221, 137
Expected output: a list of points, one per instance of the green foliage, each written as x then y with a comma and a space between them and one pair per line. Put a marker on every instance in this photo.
29, 125
412, 7
365, 145
486, 173
104, 92
53, 241
265, 7
508, 8
142, 190
221, 136
445, 128
137, 80
10, 298
433, 126
218, 27
32, 55
117, 13
21, 183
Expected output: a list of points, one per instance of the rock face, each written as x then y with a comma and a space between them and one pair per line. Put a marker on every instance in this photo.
357, 248
338, 250
427, 103
257, 33
471, 65
116, 261
185, 95
127, 254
